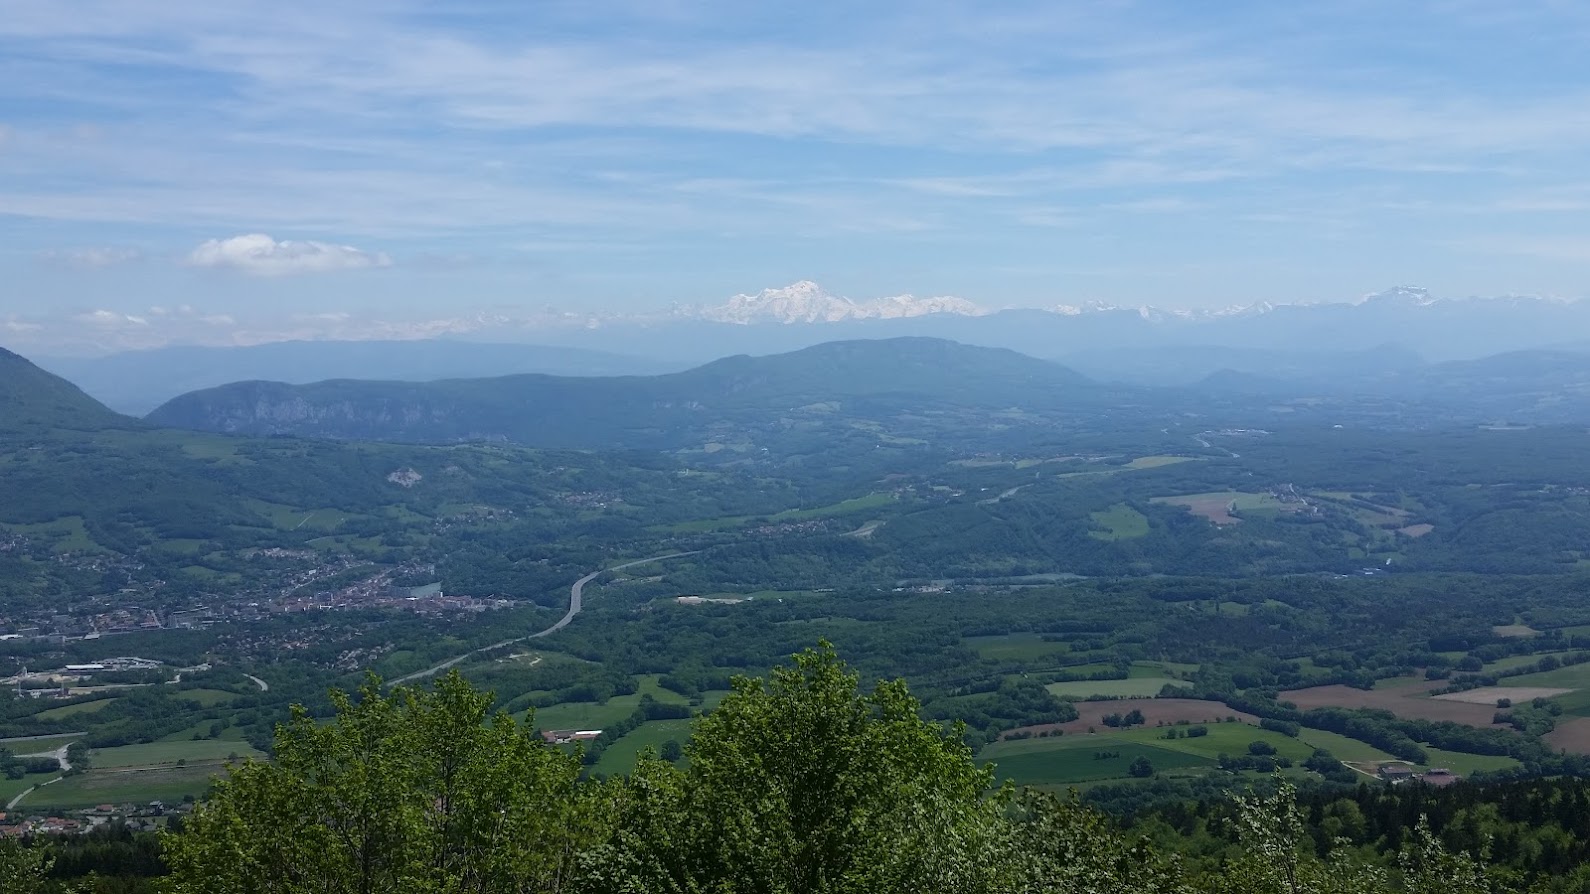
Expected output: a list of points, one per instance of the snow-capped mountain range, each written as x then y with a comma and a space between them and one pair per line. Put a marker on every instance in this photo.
808, 302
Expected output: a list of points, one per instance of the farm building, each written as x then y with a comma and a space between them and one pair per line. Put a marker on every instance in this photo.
567, 736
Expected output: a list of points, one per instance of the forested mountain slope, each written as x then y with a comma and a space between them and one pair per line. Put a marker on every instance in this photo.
32, 400
860, 379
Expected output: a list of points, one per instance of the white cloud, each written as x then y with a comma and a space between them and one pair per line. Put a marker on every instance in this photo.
260, 255
109, 318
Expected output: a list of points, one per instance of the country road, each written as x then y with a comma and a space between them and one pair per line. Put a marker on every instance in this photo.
576, 600
263, 686
60, 755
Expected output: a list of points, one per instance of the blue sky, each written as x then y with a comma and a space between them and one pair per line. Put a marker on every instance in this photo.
404, 167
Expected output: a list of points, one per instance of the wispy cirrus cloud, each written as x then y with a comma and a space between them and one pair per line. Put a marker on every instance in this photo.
260, 255
469, 130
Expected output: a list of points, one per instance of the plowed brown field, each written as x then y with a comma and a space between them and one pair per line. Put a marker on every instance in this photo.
1410, 700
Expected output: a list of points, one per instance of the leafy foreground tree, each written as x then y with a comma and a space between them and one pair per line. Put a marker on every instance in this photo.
419, 792
798, 784
802, 784
22, 869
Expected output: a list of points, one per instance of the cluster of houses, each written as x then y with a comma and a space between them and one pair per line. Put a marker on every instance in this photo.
1401, 773
139, 817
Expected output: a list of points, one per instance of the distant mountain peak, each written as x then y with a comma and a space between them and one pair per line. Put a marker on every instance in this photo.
1406, 295
808, 302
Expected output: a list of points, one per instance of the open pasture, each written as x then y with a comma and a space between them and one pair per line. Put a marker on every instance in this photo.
1015, 646
1218, 507
1407, 700
1155, 711
620, 756
74, 710
1060, 760
1140, 687
207, 698
1222, 738
38, 744
124, 787
1119, 522
1489, 695
154, 754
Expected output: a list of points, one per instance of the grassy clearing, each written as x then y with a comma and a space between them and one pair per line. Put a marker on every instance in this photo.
123, 787
621, 755
1464, 764
74, 710
1142, 687
589, 715
37, 746
1574, 676
1120, 522
67, 535
649, 685
1509, 662
1059, 760
1155, 462
166, 752
1015, 646
1223, 738
1342, 747
1218, 506
10, 788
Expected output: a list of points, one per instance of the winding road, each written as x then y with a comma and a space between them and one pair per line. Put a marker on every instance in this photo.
60, 755
576, 600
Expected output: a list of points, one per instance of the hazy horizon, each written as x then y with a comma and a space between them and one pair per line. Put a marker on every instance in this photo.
245, 173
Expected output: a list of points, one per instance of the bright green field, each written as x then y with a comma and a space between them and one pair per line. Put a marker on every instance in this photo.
1015, 646
1120, 522
120, 786
1464, 764
1154, 462
589, 715
1066, 759
10, 788
73, 710
1342, 747
1574, 676
169, 752
1223, 738
1143, 687
37, 746
620, 756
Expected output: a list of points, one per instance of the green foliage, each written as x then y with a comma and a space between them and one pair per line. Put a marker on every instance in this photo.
412, 792
22, 868
803, 783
